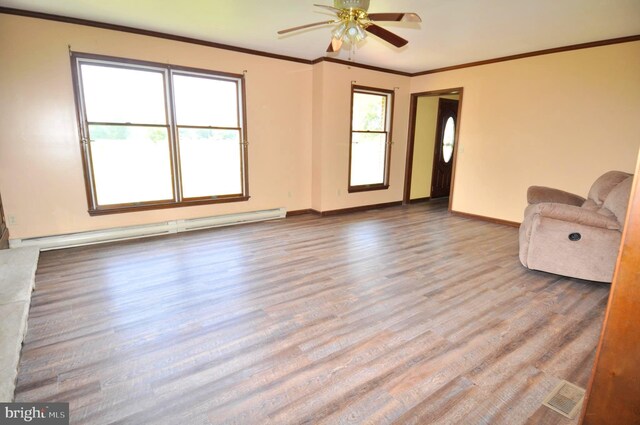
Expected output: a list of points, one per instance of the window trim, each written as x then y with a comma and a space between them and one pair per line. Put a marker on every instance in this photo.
167, 70
389, 131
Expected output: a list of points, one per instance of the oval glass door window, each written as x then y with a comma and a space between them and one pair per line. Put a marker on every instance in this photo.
447, 139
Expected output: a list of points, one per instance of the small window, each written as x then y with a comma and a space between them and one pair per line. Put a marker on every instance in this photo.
448, 139
157, 136
370, 132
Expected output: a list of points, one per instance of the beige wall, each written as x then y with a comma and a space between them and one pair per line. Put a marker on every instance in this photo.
559, 120
424, 144
40, 163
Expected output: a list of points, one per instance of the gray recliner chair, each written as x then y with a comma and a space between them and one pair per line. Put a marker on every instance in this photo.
566, 234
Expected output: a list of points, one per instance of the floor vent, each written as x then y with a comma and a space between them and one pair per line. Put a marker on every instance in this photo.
565, 399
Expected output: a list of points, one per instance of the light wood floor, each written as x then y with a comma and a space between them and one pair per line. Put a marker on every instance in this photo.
401, 315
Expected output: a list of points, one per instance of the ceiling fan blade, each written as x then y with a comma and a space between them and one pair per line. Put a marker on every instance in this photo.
331, 8
301, 27
387, 36
398, 17
335, 45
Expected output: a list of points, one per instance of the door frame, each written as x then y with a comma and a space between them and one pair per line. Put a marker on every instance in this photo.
4, 231
413, 110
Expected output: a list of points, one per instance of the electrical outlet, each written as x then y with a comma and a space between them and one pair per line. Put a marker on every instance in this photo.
339, 192
289, 194
11, 221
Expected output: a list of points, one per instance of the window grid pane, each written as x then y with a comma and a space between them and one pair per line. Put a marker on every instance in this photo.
369, 112
205, 101
131, 164
210, 162
368, 154
119, 95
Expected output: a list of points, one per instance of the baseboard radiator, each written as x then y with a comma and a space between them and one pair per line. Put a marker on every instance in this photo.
122, 233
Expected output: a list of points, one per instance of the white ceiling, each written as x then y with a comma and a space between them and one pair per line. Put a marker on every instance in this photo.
453, 32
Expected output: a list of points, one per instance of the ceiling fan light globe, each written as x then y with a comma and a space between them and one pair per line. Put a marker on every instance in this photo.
339, 31
354, 32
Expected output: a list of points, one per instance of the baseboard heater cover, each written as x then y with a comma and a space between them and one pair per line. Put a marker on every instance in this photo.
46, 243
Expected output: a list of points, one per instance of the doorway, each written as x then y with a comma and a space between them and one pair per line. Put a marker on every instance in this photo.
432, 148
444, 143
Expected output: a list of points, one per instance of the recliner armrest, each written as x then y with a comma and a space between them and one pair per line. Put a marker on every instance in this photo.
573, 214
539, 194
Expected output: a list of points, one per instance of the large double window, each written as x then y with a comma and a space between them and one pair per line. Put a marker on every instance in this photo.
371, 115
158, 136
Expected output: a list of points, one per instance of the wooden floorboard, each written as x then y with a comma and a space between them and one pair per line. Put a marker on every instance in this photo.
393, 316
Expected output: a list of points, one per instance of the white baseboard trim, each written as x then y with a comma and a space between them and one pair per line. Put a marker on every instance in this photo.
46, 243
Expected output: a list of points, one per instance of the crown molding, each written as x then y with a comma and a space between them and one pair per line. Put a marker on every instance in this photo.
532, 54
157, 34
190, 40
362, 65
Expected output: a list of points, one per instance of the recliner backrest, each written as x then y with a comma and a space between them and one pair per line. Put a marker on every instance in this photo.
618, 199
605, 184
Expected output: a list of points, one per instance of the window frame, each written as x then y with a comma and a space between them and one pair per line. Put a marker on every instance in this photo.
167, 70
389, 94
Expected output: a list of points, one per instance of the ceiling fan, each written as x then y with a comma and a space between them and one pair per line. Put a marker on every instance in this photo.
354, 22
